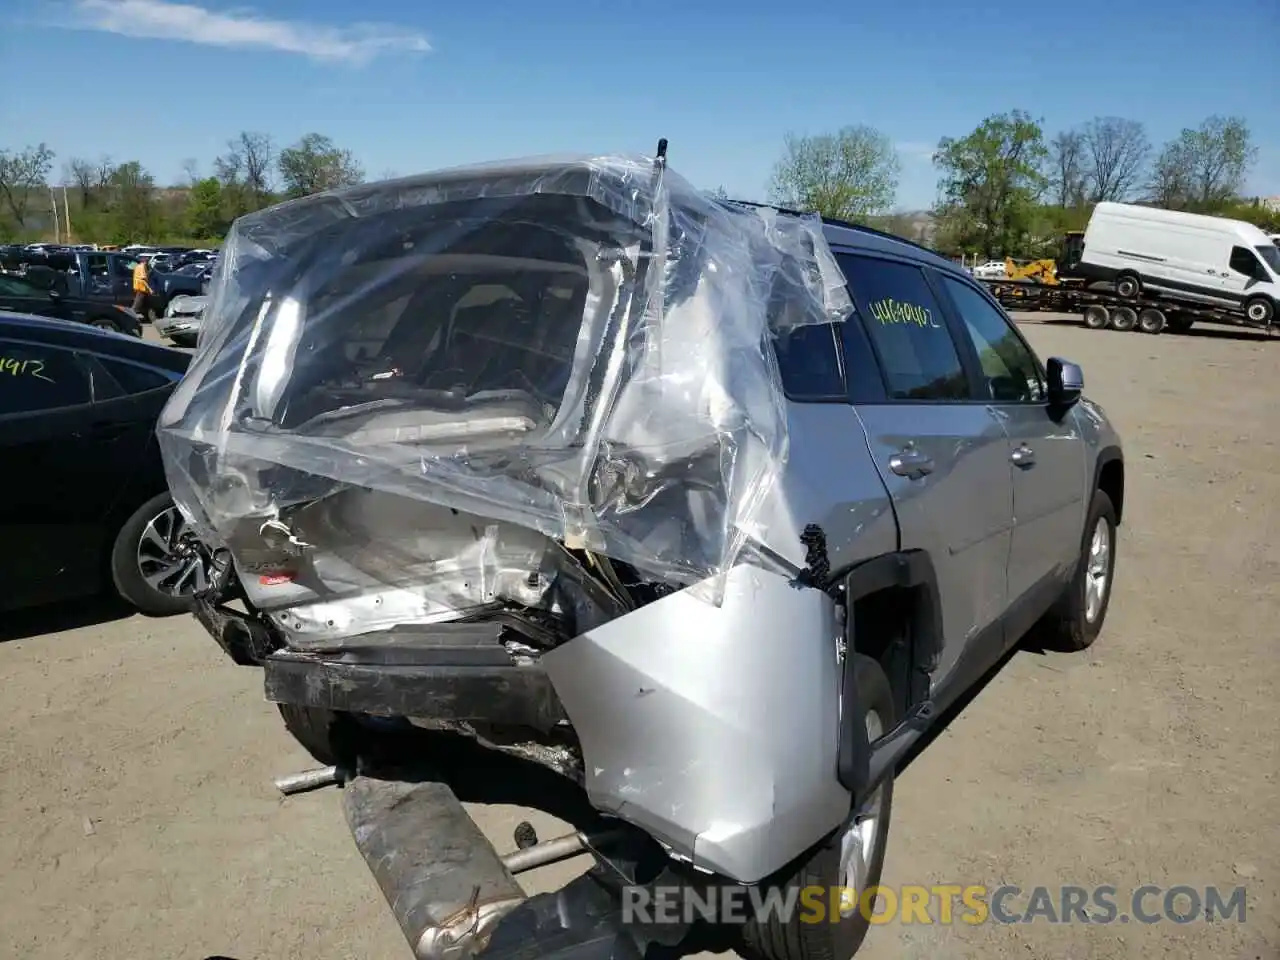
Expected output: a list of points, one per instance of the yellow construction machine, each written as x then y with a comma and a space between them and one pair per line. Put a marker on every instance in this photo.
1037, 271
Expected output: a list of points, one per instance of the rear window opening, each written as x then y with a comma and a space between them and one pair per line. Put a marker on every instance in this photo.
480, 317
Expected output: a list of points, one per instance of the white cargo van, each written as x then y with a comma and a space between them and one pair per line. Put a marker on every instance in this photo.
1226, 263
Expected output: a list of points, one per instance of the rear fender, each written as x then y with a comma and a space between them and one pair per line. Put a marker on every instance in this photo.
860, 766
714, 728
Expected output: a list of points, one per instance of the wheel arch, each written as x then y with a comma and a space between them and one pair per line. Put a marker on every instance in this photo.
893, 614
1108, 476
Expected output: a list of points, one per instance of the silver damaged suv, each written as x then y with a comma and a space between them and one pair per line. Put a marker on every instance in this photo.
560, 483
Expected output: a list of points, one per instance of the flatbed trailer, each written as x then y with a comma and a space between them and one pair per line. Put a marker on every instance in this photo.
1148, 312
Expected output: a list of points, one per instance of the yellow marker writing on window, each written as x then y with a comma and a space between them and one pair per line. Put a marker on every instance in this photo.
24, 368
890, 311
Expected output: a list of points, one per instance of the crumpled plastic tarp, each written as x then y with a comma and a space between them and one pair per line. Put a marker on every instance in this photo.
577, 346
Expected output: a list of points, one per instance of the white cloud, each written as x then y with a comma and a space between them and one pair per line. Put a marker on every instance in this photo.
164, 20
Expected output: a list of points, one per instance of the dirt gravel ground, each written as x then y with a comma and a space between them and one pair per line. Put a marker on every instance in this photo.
138, 818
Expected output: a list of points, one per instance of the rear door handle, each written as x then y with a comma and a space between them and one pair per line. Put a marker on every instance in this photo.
1023, 456
911, 463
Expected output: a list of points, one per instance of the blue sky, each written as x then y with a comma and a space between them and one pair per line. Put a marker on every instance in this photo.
433, 84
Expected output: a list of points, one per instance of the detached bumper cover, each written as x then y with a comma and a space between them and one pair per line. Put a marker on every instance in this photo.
453, 897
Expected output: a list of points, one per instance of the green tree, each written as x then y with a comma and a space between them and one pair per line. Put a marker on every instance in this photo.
22, 174
314, 164
133, 214
1204, 169
851, 174
204, 210
991, 182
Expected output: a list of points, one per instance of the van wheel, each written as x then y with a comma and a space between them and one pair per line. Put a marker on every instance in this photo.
1123, 318
1096, 317
1151, 320
851, 859
1260, 310
1128, 286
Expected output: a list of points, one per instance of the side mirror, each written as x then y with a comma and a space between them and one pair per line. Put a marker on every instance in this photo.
1066, 382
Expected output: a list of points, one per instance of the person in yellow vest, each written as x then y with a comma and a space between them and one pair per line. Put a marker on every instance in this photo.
141, 289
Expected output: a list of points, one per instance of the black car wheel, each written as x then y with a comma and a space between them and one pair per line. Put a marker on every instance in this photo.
155, 563
118, 325
1076, 619
851, 860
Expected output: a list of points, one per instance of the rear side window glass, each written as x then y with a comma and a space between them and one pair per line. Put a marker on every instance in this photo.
809, 362
906, 326
134, 378
34, 377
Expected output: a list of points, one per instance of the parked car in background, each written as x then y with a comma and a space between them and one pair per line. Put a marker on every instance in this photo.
181, 321
189, 281
95, 275
23, 294
87, 506
991, 270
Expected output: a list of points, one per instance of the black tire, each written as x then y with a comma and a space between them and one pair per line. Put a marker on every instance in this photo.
318, 731
1096, 317
127, 563
1123, 318
111, 323
797, 937
1180, 323
1152, 320
185, 342
1068, 626
1128, 286
1260, 310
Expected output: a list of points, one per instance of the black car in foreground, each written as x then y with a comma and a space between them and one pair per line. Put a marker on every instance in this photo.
87, 507
23, 295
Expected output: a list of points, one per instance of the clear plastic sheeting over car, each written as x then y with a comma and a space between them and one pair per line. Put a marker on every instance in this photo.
575, 347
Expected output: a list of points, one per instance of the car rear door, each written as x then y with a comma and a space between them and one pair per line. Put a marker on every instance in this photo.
62, 475
1046, 455
943, 458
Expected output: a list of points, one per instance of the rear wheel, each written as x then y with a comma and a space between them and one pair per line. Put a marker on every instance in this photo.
155, 564
318, 731
1096, 317
852, 859
1180, 322
1123, 318
1128, 286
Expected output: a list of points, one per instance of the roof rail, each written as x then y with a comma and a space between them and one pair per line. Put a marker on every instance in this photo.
836, 222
